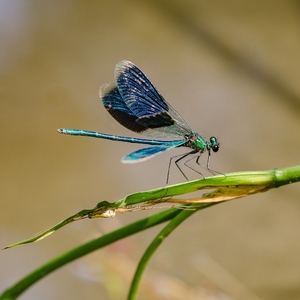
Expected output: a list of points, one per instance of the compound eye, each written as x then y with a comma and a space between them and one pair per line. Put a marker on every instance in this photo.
215, 148
214, 144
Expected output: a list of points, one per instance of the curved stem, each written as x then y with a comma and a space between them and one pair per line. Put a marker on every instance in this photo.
18, 288
176, 221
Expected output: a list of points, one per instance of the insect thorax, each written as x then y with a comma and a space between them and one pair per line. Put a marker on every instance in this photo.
196, 142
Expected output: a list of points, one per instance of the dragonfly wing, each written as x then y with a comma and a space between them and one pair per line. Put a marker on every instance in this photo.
115, 105
118, 109
147, 104
149, 152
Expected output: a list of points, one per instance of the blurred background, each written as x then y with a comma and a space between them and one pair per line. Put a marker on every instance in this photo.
231, 68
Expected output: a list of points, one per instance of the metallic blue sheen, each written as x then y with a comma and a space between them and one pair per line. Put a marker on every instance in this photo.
136, 104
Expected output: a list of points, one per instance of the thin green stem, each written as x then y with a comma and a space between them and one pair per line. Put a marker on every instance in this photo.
224, 187
18, 288
175, 222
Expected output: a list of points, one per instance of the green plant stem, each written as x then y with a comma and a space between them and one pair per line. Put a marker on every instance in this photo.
18, 288
230, 186
176, 221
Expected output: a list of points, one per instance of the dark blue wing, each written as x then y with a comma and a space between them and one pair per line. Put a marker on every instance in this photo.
137, 91
115, 105
146, 103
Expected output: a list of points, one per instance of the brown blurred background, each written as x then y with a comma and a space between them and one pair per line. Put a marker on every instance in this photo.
231, 68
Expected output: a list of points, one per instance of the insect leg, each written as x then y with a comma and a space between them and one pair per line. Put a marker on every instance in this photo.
181, 156
214, 172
